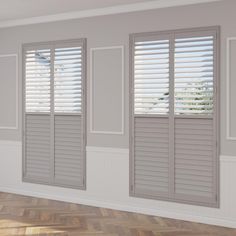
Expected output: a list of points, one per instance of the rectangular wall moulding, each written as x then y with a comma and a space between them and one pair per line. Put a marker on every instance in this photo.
231, 86
9, 91
107, 90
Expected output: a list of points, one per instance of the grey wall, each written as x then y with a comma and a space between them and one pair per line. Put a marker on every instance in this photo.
114, 30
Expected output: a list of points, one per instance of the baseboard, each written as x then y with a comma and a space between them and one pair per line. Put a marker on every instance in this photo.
231, 223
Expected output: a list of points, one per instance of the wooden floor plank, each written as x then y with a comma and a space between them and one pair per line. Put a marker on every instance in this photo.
23, 215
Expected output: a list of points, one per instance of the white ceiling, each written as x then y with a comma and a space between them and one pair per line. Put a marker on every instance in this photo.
21, 12
18, 9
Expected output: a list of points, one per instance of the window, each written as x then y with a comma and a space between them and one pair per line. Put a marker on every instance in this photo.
174, 106
54, 118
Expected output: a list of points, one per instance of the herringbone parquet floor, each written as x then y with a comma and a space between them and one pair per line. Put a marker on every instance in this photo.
22, 215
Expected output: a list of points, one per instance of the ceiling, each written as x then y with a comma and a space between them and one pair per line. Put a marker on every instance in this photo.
20, 12
18, 9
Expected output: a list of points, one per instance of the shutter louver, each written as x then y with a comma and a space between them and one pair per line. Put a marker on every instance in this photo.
194, 158
37, 80
69, 150
194, 75
151, 156
67, 83
37, 147
151, 77
174, 153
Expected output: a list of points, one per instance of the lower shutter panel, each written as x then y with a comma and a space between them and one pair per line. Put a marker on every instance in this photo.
69, 161
151, 156
37, 147
194, 158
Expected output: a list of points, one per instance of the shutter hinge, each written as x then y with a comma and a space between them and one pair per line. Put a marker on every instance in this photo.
132, 187
216, 90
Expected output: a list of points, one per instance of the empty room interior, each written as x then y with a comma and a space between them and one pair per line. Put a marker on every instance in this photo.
118, 117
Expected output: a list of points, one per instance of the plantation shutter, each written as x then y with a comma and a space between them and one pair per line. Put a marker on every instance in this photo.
54, 128
174, 120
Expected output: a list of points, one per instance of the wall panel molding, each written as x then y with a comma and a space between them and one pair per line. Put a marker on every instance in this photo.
14, 127
92, 129
228, 90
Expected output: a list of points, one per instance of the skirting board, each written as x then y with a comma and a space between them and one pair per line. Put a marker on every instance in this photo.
108, 187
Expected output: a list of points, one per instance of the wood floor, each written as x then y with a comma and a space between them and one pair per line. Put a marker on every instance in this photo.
21, 215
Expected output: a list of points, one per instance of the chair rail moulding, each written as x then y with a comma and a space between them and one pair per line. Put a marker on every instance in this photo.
15, 125
107, 94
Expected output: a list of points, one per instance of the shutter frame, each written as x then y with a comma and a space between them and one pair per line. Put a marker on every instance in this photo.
52, 45
214, 201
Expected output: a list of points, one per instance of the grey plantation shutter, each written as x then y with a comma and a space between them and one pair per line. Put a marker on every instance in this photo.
174, 155
54, 128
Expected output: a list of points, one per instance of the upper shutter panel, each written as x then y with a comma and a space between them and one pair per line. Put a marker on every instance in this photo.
37, 80
194, 75
151, 77
68, 79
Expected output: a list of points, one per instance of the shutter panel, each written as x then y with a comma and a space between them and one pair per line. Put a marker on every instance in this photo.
69, 126
37, 117
174, 153
151, 78
151, 106
37, 149
194, 75
68, 74
194, 175
151, 156
37, 80
69, 160
195, 139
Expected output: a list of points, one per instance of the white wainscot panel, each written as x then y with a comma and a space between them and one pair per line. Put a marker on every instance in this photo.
108, 186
